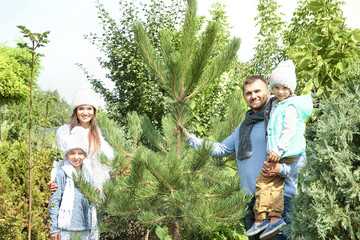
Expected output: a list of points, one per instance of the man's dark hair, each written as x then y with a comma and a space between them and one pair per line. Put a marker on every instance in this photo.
252, 79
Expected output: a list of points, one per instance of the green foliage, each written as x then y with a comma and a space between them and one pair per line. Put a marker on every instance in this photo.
328, 203
37, 40
15, 117
199, 192
135, 88
163, 233
210, 102
268, 51
321, 45
15, 74
184, 71
14, 171
169, 184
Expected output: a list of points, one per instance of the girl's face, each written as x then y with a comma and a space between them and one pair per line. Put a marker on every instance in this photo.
85, 113
76, 157
281, 92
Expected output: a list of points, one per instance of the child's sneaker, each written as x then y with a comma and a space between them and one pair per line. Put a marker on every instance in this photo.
272, 229
256, 228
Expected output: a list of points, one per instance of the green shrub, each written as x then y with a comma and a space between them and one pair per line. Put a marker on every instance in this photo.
14, 192
329, 194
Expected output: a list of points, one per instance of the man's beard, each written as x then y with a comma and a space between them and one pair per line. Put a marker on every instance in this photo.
262, 105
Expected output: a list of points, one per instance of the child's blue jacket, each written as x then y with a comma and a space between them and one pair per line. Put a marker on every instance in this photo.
304, 108
81, 216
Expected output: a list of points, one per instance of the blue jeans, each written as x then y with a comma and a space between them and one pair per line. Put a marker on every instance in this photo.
249, 219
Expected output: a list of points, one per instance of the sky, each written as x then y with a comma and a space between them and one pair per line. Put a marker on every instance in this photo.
69, 20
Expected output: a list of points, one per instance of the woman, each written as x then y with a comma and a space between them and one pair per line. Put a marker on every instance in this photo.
84, 108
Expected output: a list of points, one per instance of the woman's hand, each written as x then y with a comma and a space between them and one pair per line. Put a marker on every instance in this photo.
52, 186
55, 236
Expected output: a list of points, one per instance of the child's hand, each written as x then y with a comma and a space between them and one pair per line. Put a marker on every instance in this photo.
273, 157
55, 236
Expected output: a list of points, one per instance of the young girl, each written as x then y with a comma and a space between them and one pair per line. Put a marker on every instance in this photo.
285, 142
70, 212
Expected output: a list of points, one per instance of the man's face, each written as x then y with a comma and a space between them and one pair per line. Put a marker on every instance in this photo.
256, 95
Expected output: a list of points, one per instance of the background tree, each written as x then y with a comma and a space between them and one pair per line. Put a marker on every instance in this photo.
269, 50
327, 206
37, 40
16, 116
14, 75
135, 88
322, 45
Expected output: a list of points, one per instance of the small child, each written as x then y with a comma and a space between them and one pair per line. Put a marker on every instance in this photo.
70, 213
285, 142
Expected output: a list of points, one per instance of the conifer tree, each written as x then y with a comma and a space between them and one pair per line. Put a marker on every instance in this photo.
169, 184
327, 206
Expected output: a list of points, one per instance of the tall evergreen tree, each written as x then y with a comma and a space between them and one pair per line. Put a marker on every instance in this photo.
170, 184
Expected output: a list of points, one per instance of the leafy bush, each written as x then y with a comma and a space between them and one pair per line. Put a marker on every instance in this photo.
328, 204
14, 171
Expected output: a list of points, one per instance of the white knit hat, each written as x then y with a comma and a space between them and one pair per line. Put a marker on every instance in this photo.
84, 96
77, 139
284, 74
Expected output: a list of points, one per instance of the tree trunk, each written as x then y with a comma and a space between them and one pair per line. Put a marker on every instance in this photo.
30, 148
176, 231
178, 138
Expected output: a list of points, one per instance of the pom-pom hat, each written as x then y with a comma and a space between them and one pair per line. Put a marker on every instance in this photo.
84, 96
284, 74
77, 140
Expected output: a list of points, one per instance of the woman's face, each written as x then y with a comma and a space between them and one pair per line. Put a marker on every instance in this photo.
85, 113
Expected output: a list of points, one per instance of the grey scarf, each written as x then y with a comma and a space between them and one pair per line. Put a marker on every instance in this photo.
245, 147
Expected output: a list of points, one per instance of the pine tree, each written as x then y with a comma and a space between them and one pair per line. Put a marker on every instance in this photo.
166, 183
327, 206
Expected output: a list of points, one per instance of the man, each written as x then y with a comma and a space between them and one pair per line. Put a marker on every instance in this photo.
249, 143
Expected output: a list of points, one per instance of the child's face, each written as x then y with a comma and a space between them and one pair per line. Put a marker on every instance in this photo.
76, 158
281, 92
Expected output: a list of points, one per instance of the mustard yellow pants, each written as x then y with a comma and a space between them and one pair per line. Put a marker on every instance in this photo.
269, 198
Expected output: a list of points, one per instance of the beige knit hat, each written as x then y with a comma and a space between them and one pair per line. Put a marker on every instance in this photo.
84, 96
284, 74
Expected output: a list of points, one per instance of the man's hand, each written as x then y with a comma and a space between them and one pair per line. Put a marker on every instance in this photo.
270, 169
181, 128
52, 186
273, 157
55, 236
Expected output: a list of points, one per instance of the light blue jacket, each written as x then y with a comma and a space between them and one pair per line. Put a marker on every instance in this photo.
304, 108
249, 169
81, 215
